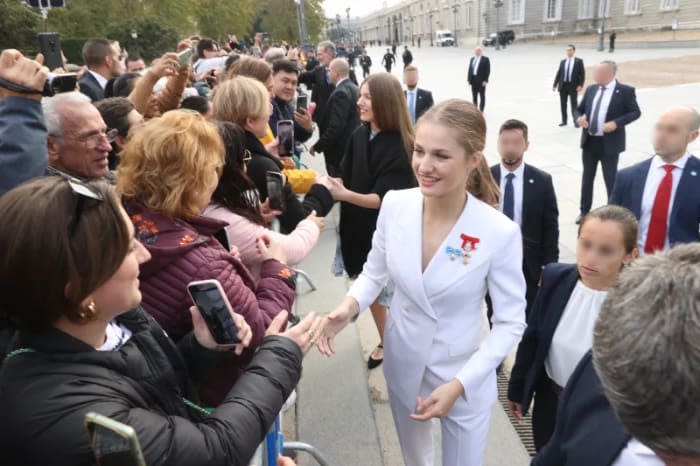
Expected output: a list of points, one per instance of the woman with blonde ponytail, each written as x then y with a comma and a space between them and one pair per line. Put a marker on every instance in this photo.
444, 247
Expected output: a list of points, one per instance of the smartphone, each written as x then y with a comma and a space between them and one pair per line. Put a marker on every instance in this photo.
285, 133
50, 48
302, 102
113, 443
185, 57
64, 82
275, 185
210, 299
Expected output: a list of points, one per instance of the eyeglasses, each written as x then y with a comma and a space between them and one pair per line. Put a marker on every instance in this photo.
93, 140
247, 156
81, 191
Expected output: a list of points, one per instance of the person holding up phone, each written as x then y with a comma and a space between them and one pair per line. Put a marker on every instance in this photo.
168, 171
246, 102
23, 153
285, 77
83, 344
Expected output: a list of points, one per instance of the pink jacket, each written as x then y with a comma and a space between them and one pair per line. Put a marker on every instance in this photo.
182, 252
244, 234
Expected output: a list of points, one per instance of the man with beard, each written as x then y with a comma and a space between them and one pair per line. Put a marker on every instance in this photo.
103, 60
529, 200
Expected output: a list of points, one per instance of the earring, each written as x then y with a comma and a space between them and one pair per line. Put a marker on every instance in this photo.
91, 311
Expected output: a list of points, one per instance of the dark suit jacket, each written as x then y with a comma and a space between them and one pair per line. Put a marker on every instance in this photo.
685, 211
338, 122
540, 221
558, 282
482, 74
587, 431
322, 89
90, 87
424, 100
623, 110
578, 74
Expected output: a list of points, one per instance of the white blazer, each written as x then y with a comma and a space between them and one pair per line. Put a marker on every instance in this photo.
437, 318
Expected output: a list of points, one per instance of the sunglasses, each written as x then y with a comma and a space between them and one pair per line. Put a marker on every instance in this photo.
81, 191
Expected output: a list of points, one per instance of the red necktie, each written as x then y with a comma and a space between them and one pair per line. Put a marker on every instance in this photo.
656, 236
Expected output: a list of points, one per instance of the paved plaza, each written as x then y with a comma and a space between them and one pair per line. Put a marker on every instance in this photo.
341, 407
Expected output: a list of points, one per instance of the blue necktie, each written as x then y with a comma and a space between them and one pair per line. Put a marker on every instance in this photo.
412, 106
509, 197
593, 124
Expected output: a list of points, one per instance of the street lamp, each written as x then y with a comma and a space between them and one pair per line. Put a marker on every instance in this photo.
455, 7
302, 22
347, 12
430, 15
601, 39
498, 4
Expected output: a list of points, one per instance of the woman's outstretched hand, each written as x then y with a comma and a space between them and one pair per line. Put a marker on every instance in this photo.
333, 323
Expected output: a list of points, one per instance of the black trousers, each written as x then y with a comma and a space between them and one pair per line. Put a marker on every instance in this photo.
594, 152
544, 413
479, 91
387, 68
568, 92
365, 71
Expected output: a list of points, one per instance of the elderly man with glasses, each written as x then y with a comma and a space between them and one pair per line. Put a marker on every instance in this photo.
78, 140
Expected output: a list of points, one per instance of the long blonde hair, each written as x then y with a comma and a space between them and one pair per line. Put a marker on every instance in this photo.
469, 125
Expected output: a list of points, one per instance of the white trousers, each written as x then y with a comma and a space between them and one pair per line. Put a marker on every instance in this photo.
464, 431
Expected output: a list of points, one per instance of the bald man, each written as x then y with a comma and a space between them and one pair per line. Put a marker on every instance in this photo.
664, 191
339, 118
478, 76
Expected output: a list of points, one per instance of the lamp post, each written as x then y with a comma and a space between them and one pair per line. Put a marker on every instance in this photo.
498, 4
347, 12
601, 39
430, 16
413, 38
455, 7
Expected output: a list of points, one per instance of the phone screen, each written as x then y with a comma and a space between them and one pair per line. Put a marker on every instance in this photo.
285, 133
215, 311
302, 102
185, 57
111, 448
50, 48
274, 191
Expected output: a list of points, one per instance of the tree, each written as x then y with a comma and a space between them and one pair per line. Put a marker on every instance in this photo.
18, 26
217, 19
278, 17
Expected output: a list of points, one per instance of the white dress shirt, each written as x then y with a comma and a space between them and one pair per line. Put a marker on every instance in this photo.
475, 66
651, 186
517, 191
637, 454
568, 69
604, 104
574, 334
100, 79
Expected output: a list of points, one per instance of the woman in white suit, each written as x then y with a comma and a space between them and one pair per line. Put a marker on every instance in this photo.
440, 358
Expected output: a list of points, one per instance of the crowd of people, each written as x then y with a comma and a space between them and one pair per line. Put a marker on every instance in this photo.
145, 179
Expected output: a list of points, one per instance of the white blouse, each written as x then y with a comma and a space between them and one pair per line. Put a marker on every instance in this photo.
573, 336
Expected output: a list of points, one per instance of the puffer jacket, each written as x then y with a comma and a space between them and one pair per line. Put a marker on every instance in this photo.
51, 380
182, 252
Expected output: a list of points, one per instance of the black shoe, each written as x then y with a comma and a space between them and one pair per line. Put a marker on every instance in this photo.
562, 124
374, 363
579, 219
576, 125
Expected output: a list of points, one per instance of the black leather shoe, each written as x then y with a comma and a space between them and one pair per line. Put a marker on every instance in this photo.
579, 219
562, 124
576, 125
374, 363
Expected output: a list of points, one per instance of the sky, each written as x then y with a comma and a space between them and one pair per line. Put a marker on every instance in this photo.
357, 7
